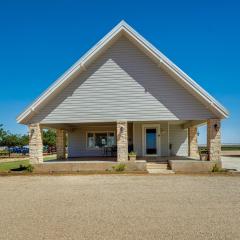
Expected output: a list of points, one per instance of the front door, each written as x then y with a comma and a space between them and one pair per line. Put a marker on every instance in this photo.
151, 140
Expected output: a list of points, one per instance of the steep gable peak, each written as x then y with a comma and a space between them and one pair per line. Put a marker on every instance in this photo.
124, 29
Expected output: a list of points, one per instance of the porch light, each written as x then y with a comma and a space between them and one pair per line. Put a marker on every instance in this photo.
121, 130
216, 127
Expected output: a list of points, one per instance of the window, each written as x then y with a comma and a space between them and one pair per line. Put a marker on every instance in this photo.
100, 139
91, 141
111, 139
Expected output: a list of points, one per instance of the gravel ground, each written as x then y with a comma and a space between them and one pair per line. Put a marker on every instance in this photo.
120, 207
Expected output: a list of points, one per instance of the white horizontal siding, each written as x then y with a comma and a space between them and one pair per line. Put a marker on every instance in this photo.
178, 138
137, 138
123, 83
164, 138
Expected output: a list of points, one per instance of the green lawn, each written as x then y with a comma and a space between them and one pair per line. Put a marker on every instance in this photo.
230, 148
7, 166
225, 148
50, 157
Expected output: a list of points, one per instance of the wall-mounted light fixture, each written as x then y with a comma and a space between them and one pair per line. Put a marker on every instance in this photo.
121, 130
216, 127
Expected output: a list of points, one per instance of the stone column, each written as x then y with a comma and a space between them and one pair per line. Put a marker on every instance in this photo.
35, 143
192, 142
214, 139
61, 144
122, 141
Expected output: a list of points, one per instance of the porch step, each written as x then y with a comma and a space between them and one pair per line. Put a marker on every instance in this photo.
160, 171
157, 165
159, 168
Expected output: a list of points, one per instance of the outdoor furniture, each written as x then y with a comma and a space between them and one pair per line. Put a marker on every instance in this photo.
114, 151
107, 150
110, 151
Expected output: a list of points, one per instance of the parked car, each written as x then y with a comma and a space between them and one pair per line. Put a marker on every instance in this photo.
24, 150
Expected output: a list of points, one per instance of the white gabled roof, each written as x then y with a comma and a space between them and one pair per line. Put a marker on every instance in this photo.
160, 58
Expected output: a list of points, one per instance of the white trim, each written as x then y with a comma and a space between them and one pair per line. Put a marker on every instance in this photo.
144, 127
123, 27
168, 139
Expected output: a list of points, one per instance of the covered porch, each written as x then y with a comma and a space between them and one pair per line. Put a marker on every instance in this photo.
155, 141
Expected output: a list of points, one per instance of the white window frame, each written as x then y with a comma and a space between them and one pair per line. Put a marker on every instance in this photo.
94, 132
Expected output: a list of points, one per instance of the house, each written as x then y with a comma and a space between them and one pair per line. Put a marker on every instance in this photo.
125, 93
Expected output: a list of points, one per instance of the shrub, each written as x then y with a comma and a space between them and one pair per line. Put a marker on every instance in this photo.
218, 169
132, 153
29, 168
203, 151
215, 168
120, 167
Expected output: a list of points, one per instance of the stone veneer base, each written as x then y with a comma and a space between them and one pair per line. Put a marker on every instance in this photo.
87, 166
192, 166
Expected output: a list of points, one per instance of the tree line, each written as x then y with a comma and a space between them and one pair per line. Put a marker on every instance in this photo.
9, 139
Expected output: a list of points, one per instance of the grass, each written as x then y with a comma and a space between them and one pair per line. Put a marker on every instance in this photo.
230, 148
49, 157
225, 148
7, 166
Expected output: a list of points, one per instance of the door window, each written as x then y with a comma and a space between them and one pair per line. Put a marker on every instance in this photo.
151, 141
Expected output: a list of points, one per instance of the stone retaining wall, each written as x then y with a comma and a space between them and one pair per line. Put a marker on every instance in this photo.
67, 167
191, 166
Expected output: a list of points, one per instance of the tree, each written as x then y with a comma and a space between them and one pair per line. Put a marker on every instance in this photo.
23, 140
17, 140
49, 137
3, 134
10, 140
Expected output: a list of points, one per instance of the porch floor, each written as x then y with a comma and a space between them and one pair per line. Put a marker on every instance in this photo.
163, 159
86, 159
157, 159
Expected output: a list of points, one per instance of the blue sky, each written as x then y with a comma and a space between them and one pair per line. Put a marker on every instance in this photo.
41, 39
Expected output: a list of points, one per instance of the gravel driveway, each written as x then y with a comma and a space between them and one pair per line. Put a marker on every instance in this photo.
120, 207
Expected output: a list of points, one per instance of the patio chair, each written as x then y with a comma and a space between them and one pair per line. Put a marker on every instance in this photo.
114, 151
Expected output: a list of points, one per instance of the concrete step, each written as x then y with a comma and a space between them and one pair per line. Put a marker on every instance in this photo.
160, 168
160, 171
157, 165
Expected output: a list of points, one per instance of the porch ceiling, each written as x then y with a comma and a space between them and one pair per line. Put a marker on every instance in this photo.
76, 125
